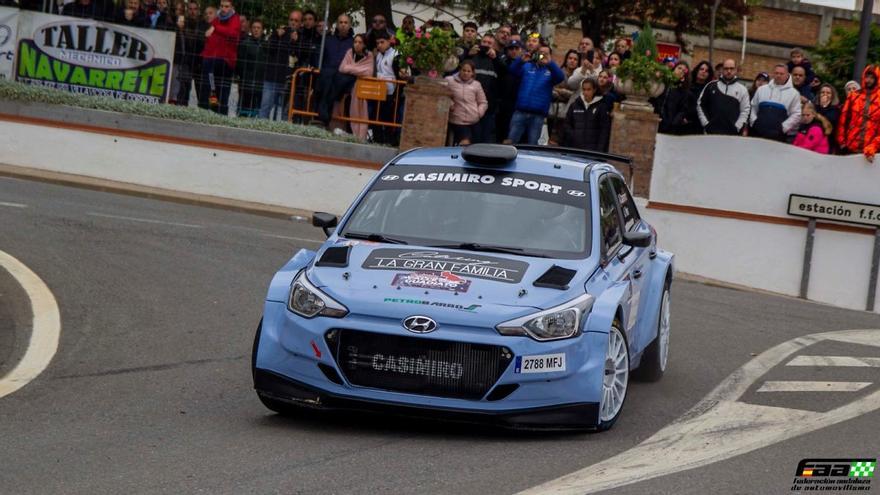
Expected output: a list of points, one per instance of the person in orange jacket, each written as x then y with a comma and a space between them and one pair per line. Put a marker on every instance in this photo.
859, 126
218, 59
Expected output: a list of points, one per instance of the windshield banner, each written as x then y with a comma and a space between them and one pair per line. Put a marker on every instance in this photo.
541, 187
94, 58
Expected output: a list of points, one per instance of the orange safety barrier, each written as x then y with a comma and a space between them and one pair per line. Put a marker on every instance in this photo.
366, 88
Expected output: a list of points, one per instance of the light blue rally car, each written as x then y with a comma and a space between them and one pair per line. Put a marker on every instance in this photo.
513, 285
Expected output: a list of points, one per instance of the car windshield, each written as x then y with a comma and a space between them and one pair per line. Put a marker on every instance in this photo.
478, 210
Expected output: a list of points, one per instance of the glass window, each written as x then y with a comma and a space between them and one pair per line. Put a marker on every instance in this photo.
627, 205
549, 218
611, 236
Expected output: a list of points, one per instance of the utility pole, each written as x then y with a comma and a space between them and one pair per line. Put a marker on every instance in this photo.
712, 32
864, 38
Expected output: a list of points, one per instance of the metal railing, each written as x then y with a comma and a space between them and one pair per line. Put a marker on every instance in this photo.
366, 88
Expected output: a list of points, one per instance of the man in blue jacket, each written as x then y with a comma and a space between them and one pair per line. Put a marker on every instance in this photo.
538, 73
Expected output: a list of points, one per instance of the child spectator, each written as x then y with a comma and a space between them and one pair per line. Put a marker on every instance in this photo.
469, 103
562, 96
761, 79
814, 130
588, 123
799, 60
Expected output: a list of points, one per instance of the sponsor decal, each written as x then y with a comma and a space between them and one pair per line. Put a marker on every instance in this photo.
457, 263
432, 280
472, 308
543, 187
844, 474
94, 58
420, 366
545, 363
5, 34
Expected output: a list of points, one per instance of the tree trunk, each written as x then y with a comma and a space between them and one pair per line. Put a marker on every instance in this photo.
373, 7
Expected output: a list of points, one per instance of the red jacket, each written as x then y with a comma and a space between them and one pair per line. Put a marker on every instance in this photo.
223, 43
859, 126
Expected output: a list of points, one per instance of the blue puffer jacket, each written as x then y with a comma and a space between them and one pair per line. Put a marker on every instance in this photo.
536, 89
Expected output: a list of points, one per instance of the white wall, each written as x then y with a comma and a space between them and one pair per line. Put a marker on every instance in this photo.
275, 181
756, 176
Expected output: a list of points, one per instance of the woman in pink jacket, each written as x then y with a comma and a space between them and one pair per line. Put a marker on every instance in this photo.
469, 103
358, 62
814, 130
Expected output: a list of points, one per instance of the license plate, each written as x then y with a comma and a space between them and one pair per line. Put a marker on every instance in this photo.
545, 363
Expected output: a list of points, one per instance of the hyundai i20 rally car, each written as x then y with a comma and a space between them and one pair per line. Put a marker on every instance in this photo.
518, 286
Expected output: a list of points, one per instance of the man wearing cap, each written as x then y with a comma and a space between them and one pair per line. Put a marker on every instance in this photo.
508, 90
723, 106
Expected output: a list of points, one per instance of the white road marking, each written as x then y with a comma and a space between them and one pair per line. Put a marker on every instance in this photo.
45, 331
801, 386
719, 426
12, 205
862, 362
300, 239
144, 220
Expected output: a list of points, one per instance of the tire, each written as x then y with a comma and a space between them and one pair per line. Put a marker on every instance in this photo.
656, 357
615, 379
254, 351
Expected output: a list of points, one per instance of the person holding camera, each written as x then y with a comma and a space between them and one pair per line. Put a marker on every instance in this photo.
539, 73
591, 65
490, 70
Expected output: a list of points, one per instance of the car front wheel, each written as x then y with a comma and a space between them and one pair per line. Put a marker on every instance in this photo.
615, 380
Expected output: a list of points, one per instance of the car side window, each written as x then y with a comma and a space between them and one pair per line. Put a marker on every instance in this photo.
611, 236
631, 216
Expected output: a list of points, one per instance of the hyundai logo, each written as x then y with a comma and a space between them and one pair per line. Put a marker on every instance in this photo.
420, 324
390, 177
576, 193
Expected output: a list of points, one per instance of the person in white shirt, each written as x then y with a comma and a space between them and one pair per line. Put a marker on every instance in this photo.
386, 68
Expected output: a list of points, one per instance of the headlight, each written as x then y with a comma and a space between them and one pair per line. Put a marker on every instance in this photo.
307, 301
561, 322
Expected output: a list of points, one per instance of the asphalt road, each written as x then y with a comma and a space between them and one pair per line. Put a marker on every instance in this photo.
150, 391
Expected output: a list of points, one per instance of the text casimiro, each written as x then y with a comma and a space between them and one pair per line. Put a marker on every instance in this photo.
90, 57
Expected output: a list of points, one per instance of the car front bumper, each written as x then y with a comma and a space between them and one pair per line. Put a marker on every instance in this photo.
294, 363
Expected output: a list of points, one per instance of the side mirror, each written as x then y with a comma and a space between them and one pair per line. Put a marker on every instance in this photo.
325, 220
637, 239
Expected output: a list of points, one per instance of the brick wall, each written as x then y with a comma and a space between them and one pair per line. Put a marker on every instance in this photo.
782, 26
845, 23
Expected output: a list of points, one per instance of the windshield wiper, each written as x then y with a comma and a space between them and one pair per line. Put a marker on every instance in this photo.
473, 246
374, 238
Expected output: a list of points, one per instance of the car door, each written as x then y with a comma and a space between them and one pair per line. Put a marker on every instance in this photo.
638, 261
616, 268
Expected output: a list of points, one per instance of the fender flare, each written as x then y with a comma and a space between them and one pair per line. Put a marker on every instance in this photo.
605, 309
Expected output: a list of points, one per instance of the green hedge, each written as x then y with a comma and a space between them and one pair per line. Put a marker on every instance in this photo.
10, 90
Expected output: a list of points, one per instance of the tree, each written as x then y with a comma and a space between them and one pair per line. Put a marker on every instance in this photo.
601, 19
835, 59
274, 12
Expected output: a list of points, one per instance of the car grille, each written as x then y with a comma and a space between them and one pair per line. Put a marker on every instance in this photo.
421, 366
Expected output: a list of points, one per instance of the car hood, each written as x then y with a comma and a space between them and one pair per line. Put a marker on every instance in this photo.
394, 280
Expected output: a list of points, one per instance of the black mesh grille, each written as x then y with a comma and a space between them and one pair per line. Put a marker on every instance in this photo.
420, 366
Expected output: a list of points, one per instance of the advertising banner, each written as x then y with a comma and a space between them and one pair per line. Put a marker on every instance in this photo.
8, 29
94, 58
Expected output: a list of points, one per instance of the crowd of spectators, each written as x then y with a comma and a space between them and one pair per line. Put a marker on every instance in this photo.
506, 86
